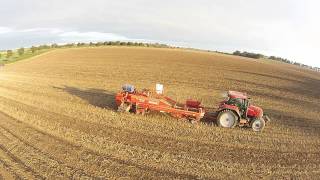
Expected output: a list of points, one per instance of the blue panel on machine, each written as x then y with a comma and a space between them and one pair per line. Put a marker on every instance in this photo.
128, 88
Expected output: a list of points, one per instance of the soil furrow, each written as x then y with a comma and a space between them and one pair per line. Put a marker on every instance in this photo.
172, 145
27, 171
71, 153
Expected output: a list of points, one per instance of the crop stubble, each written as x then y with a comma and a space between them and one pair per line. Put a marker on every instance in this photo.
58, 117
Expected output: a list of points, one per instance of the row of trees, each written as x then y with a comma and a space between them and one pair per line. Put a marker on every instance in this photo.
9, 53
34, 49
248, 54
259, 56
97, 44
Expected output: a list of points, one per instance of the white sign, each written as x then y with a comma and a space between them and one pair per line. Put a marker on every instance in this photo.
159, 88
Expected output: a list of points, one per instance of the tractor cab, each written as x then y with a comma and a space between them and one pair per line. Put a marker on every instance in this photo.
240, 100
237, 110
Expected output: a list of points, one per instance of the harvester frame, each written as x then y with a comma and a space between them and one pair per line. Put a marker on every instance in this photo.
141, 102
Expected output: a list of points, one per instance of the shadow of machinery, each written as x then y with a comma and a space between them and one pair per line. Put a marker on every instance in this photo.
97, 97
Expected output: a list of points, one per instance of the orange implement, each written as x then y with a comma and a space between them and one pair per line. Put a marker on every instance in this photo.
140, 102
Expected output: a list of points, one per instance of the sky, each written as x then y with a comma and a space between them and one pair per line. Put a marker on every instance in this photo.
286, 28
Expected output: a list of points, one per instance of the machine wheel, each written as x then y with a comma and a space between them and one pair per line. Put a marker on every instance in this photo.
258, 124
124, 107
227, 119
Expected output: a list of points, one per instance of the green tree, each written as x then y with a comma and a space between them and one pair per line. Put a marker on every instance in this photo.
21, 51
69, 45
9, 53
99, 44
238, 53
33, 49
54, 45
42, 47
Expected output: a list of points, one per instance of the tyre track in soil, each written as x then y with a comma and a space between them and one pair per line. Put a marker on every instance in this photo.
14, 162
172, 146
6, 172
68, 150
23, 153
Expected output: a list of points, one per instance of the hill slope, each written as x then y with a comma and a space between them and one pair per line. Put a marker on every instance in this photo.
58, 117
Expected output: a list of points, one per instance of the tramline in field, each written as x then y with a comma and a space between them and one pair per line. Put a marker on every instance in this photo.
233, 111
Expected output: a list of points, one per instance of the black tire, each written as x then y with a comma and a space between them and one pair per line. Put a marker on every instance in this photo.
258, 124
227, 119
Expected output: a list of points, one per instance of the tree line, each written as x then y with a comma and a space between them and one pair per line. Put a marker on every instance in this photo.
34, 49
275, 58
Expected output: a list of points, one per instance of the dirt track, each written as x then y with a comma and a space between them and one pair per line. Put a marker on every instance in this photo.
58, 118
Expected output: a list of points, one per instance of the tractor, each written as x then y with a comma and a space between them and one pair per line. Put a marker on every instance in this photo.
237, 110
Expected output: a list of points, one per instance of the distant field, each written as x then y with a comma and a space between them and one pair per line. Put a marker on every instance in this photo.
58, 117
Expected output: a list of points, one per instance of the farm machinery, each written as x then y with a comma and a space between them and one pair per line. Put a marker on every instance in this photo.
140, 102
234, 110
237, 110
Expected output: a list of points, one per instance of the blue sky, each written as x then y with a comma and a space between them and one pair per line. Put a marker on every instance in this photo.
287, 28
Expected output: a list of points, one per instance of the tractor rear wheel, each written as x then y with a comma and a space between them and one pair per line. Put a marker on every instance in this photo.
258, 124
227, 119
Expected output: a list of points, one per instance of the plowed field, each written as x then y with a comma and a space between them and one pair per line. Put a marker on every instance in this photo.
58, 117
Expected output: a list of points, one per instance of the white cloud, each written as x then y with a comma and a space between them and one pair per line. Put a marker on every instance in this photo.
46, 30
74, 36
37, 36
4, 30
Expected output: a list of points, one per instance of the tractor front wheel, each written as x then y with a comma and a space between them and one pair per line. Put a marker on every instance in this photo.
227, 119
258, 124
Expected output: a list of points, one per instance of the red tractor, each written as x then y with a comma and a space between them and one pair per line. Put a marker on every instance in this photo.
237, 110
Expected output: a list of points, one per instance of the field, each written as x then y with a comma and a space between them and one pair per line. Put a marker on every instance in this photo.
59, 120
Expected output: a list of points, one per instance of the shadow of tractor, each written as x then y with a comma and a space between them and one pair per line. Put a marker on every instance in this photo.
97, 97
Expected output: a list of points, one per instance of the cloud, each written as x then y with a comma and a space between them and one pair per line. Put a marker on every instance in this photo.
5, 30
75, 36
46, 30
37, 36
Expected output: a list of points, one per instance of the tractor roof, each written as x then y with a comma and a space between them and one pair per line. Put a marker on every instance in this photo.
235, 94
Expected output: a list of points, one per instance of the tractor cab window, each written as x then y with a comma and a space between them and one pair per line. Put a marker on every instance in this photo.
240, 103
235, 101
